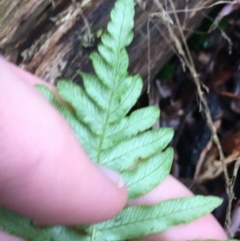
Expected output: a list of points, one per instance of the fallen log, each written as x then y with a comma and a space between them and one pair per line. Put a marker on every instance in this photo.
53, 38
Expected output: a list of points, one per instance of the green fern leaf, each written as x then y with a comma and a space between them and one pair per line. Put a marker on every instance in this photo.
84, 135
138, 221
99, 116
127, 127
148, 174
21, 226
85, 109
95, 90
126, 153
18, 225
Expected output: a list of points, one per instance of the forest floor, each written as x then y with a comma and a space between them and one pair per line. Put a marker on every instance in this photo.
198, 163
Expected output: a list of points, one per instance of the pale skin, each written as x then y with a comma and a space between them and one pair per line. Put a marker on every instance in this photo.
46, 175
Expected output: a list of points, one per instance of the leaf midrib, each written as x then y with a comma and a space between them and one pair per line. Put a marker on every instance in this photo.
152, 218
99, 150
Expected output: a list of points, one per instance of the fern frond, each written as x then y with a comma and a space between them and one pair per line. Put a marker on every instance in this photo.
137, 221
99, 116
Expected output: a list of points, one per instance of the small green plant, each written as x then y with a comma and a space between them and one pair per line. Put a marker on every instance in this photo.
99, 116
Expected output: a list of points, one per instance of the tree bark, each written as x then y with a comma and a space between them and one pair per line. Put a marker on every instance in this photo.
48, 38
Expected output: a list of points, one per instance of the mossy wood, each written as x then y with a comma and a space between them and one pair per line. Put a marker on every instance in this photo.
51, 39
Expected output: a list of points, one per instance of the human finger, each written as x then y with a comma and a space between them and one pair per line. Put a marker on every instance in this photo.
45, 174
7, 237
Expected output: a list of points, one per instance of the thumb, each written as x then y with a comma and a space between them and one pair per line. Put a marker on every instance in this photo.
44, 173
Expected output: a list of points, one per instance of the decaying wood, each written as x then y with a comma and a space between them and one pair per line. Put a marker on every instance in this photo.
46, 36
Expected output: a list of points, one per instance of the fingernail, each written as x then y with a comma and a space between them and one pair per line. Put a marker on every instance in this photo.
111, 175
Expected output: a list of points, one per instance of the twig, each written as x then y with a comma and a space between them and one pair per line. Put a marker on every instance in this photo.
200, 8
149, 57
231, 197
188, 61
235, 224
